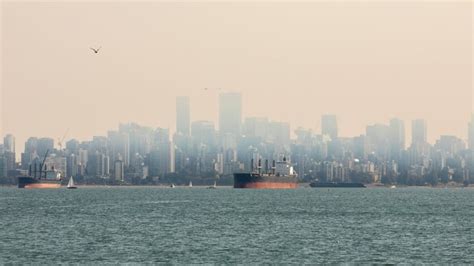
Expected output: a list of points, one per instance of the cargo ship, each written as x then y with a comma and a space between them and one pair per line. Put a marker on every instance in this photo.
280, 176
32, 182
40, 177
337, 184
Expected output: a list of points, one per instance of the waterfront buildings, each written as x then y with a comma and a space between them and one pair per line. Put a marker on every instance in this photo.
136, 154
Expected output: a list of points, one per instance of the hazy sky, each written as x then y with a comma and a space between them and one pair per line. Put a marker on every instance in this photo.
365, 62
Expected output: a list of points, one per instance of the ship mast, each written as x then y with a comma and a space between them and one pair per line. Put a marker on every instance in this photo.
42, 164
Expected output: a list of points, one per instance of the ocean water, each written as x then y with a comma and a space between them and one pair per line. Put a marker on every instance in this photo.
230, 226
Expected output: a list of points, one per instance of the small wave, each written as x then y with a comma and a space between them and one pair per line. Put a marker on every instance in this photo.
166, 201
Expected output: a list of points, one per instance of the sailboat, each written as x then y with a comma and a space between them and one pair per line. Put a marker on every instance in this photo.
214, 186
190, 184
70, 184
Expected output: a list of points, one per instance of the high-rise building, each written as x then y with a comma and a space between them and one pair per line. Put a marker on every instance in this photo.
43, 145
378, 136
10, 162
72, 146
119, 147
279, 132
9, 143
161, 159
203, 132
256, 127
3, 167
418, 131
471, 133
98, 164
72, 168
119, 170
183, 112
9, 152
230, 113
30, 153
31, 145
450, 144
329, 126
397, 138
361, 147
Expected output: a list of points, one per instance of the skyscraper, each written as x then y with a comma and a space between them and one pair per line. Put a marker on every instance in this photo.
9, 152
329, 126
182, 115
378, 137
119, 147
43, 145
256, 127
230, 113
203, 132
9, 143
397, 138
161, 158
471, 133
418, 131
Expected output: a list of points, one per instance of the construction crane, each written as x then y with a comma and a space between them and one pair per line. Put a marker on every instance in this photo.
60, 140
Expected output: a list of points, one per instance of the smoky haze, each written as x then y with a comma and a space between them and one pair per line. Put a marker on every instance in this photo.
365, 62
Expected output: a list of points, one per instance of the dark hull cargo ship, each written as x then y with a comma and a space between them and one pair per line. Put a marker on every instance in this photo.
337, 184
281, 176
40, 178
31, 182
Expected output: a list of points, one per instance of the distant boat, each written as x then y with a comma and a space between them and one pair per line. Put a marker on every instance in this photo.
172, 186
190, 184
70, 184
213, 186
393, 186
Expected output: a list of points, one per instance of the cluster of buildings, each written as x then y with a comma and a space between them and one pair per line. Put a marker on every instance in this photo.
136, 154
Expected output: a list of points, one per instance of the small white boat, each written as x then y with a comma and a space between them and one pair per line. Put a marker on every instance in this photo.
213, 186
70, 184
190, 184
393, 186
172, 186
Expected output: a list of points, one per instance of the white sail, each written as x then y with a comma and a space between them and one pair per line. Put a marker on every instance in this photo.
71, 182
190, 184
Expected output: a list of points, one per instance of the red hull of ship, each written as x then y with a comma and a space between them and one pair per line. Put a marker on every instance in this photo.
43, 185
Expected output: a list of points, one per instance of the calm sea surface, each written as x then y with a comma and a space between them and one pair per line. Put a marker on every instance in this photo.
224, 225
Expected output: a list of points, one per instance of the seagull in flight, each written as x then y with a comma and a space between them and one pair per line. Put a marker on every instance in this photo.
96, 50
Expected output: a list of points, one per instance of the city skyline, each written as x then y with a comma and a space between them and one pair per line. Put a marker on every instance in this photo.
417, 128
403, 135
332, 59
136, 154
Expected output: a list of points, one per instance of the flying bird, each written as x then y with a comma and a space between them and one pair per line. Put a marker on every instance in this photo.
96, 50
